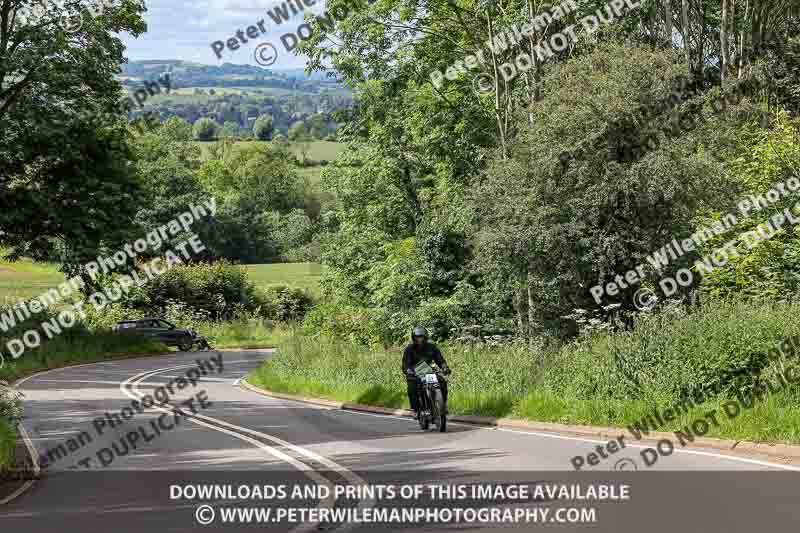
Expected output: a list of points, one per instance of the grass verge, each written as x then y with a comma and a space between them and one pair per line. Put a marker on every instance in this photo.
506, 382
8, 439
65, 350
324, 367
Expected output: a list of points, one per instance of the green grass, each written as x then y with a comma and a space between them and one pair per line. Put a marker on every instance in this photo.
66, 349
25, 279
302, 275
241, 334
8, 438
499, 382
487, 384
316, 151
320, 150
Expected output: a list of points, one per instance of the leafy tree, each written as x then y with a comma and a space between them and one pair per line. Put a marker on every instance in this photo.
178, 129
318, 128
205, 129
63, 148
297, 131
230, 130
262, 129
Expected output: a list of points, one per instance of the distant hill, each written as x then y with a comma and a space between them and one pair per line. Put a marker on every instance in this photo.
189, 74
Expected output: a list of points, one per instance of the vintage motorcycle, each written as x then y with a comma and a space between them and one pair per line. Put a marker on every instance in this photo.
432, 408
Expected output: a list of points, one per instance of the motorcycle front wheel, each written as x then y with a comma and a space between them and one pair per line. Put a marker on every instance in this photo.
439, 416
424, 421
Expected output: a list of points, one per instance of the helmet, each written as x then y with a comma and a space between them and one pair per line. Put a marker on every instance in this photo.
419, 332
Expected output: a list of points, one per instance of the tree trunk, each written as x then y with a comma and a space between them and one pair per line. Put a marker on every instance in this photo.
723, 42
743, 40
501, 123
687, 47
668, 21
522, 319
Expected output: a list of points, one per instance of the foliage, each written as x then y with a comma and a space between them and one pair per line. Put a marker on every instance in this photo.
205, 129
219, 289
488, 380
79, 348
230, 130
297, 132
176, 129
8, 443
770, 267
10, 405
719, 349
262, 128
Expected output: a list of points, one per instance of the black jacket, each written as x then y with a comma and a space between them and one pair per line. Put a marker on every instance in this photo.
428, 352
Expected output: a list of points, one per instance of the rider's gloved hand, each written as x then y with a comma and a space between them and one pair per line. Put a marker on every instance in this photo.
410, 373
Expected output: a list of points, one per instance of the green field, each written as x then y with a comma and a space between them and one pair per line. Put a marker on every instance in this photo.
321, 150
303, 275
26, 279
317, 150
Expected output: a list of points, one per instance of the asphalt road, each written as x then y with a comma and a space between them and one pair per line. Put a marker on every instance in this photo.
234, 436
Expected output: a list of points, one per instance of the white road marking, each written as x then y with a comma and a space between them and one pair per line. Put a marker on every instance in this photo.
301, 466
36, 470
561, 437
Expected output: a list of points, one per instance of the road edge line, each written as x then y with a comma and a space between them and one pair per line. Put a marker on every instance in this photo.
28, 484
734, 448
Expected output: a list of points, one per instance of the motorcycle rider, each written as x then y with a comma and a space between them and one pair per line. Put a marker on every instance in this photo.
422, 350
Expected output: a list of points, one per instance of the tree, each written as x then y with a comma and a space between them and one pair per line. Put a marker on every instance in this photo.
205, 129
65, 153
317, 123
297, 131
178, 129
230, 130
85, 192
262, 129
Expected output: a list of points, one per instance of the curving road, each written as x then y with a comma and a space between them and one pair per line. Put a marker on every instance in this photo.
229, 435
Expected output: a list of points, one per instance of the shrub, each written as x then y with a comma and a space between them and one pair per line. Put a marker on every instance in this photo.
10, 404
262, 128
214, 288
718, 349
205, 129
291, 303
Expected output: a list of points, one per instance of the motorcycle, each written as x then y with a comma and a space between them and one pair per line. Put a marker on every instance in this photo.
432, 408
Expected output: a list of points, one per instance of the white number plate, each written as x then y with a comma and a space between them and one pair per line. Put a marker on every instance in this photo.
431, 378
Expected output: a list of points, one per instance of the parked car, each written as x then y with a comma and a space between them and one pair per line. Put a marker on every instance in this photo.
163, 331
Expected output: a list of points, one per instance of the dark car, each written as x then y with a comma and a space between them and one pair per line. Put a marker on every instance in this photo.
164, 331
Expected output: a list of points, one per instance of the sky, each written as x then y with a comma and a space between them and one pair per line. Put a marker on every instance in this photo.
185, 29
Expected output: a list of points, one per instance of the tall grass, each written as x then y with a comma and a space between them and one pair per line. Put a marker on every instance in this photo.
607, 380
82, 348
8, 438
483, 381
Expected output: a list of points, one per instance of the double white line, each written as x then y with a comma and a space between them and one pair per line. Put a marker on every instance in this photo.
130, 387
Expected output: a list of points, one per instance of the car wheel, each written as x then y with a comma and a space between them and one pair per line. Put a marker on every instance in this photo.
185, 345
